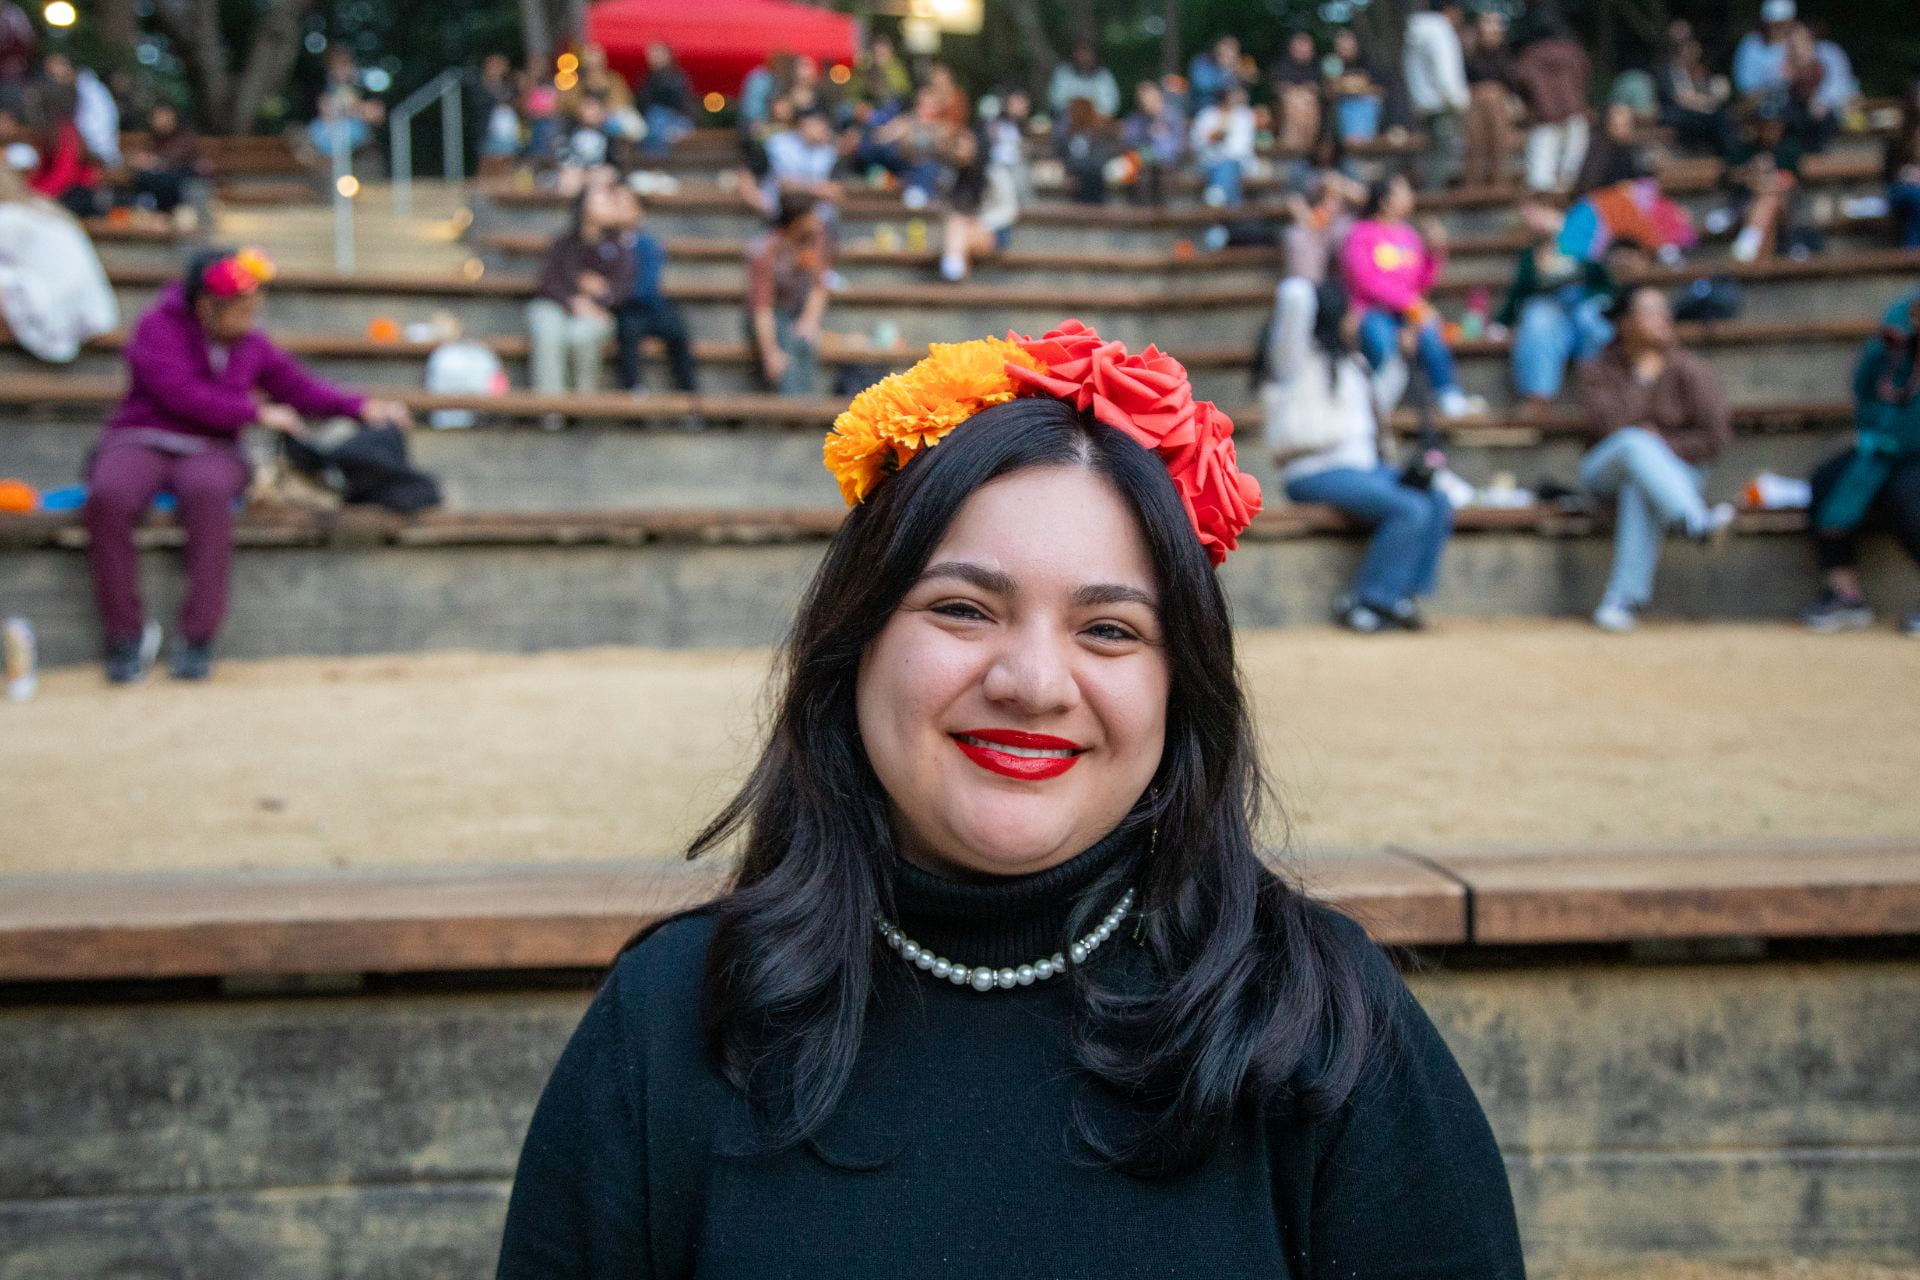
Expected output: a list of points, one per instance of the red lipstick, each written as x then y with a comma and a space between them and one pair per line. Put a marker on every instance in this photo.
988, 748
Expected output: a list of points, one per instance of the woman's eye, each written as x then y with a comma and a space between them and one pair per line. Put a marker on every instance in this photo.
959, 609
1111, 633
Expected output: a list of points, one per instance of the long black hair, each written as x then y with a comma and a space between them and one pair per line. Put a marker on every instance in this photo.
1251, 990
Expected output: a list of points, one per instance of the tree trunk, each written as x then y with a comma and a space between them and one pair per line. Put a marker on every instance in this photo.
276, 44
571, 22
1041, 57
1170, 61
119, 28
193, 26
536, 32
1085, 27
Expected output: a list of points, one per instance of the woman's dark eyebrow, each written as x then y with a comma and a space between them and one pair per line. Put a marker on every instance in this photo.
1099, 593
990, 580
993, 580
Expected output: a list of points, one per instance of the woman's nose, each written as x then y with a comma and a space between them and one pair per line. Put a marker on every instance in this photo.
1034, 675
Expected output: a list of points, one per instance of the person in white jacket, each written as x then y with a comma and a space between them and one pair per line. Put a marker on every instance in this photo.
53, 293
1223, 139
1318, 401
1436, 75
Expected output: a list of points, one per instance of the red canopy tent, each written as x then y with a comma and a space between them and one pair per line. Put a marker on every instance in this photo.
718, 42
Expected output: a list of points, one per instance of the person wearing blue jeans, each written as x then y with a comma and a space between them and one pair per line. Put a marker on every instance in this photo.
1410, 531
1380, 340
1556, 307
1660, 416
1317, 401
1553, 330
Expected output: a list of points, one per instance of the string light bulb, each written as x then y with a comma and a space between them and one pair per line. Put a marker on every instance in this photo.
59, 13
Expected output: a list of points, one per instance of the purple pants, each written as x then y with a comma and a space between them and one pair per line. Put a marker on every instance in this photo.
124, 480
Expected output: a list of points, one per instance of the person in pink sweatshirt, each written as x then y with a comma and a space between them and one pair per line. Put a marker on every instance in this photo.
1389, 267
198, 375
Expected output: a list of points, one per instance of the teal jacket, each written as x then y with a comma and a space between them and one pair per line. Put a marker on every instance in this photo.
1886, 418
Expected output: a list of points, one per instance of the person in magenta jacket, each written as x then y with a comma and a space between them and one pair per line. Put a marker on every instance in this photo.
1389, 267
198, 375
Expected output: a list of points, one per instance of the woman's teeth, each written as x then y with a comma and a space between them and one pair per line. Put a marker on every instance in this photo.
1029, 753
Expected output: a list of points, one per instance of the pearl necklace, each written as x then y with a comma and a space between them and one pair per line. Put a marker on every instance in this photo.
985, 978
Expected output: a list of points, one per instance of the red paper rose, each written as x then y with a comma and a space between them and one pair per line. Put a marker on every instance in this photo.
1149, 397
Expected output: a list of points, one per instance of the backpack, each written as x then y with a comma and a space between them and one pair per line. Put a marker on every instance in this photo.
368, 465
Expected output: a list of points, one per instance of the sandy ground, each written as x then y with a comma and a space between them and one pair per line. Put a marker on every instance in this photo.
1508, 734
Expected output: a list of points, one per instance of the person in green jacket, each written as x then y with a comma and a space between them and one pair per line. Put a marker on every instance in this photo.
1556, 308
1879, 476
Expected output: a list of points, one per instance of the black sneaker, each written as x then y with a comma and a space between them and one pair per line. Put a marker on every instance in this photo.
131, 657
1407, 616
192, 660
1911, 627
1833, 613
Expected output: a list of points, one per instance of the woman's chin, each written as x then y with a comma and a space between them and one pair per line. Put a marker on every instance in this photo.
1013, 840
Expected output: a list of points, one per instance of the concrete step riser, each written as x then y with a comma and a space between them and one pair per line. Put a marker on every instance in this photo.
327, 311
386, 599
1806, 370
591, 468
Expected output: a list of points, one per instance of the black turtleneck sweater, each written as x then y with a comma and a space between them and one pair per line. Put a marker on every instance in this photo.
951, 1156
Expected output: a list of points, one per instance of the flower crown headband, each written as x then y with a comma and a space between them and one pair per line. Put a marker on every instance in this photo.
1147, 396
242, 271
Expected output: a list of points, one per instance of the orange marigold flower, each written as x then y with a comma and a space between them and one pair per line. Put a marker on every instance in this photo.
903, 413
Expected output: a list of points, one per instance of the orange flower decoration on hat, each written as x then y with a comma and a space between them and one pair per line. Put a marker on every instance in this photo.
1149, 397
903, 413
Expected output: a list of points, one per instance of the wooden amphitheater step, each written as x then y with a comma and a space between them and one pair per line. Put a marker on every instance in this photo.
577, 915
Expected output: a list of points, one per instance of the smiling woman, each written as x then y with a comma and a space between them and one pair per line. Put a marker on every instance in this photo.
1001, 986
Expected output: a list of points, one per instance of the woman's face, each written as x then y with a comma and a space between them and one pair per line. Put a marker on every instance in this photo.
1649, 320
1015, 704
229, 319
1398, 204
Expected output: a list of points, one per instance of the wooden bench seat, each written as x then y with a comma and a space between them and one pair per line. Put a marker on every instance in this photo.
1724, 333
577, 915
1688, 178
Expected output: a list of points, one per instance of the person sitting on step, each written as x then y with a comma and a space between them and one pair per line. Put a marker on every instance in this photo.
1877, 478
1389, 268
1658, 415
584, 275
787, 295
645, 310
199, 373
1322, 427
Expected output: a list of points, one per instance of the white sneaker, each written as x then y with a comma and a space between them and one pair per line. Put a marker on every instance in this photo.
953, 268
1455, 403
1746, 245
1616, 618
1720, 517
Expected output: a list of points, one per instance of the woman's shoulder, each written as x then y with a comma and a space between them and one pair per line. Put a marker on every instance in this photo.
669, 955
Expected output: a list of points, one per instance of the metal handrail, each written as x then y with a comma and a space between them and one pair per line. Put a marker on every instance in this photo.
444, 89
342, 200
